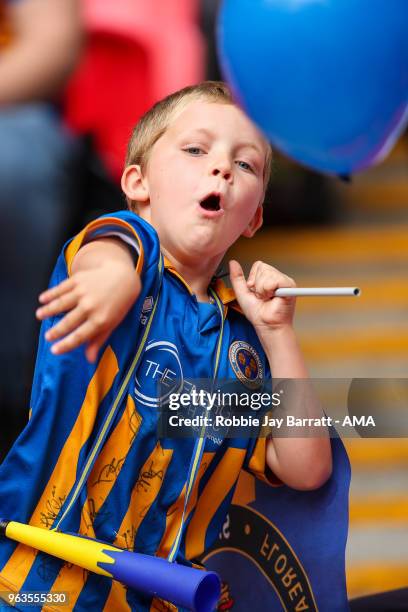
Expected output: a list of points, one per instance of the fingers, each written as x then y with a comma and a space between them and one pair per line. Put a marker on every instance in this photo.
265, 279
55, 292
57, 299
237, 277
72, 320
80, 335
252, 274
92, 349
93, 302
77, 329
57, 305
91, 352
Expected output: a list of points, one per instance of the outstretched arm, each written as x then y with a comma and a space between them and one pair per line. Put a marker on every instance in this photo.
301, 463
100, 292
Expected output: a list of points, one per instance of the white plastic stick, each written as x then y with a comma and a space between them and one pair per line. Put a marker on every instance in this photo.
317, 291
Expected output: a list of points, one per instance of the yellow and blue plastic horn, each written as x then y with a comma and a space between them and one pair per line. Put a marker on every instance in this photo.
191, 588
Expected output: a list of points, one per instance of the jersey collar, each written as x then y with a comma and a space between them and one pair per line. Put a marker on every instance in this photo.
226, 294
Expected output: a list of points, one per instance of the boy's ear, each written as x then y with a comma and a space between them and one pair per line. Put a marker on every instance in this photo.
255, 223
134, 184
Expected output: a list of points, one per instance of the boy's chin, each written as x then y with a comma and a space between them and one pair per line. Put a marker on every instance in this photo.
202, 249
209, 238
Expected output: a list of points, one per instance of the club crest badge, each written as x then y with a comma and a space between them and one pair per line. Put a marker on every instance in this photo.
246, 364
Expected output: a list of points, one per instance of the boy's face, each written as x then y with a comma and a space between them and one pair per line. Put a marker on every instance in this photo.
203, 185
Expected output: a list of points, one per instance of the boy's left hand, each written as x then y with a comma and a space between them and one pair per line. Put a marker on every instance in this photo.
255, 296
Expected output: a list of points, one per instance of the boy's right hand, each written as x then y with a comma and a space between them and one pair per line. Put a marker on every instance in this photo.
96, 298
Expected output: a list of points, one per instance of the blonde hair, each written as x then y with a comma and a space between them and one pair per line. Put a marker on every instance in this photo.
156, 120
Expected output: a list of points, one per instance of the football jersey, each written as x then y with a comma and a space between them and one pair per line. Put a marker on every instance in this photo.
90, 460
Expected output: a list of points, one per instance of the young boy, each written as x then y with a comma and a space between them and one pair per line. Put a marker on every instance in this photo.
90, 460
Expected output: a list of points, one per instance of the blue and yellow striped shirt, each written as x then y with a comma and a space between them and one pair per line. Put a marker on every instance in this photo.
90, 460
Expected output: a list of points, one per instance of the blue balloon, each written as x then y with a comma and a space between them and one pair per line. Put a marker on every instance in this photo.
326, 80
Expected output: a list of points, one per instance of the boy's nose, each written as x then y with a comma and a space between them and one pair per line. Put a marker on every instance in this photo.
223, 169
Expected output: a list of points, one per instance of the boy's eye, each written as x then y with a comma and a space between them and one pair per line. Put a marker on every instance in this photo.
245, 166
194, 150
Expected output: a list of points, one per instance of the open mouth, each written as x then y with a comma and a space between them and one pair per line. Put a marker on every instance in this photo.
211, 202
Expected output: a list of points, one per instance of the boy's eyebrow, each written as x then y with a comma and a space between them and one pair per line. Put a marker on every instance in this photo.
211, 134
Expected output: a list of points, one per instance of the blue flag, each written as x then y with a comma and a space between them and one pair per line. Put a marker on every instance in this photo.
282, 549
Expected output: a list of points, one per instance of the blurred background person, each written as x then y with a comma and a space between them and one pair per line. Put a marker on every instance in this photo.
39, 45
